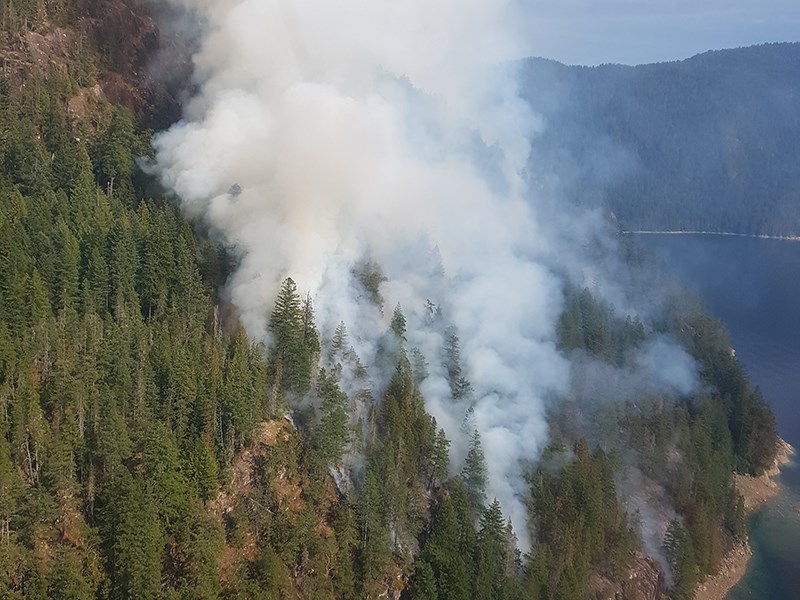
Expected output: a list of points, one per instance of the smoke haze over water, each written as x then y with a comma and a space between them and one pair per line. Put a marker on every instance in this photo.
374, 130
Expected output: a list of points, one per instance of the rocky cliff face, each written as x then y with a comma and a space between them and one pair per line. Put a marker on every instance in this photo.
643, 582
126, 51
148, 71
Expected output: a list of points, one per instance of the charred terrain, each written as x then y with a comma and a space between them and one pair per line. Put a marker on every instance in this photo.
152, 447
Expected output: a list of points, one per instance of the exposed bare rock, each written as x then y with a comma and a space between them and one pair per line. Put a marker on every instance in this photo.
732, 569
37, 52
757, 490
142, 61
643, 582
148, 71
53, 49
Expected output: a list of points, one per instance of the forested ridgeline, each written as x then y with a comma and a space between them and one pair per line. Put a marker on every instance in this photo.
705, 144
674, 457
149, 449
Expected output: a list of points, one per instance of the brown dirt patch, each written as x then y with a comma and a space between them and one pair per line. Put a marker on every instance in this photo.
289, 491
267, 432
266, 435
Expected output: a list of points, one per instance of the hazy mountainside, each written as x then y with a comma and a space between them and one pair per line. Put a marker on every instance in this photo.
115, 48
150, 449
707, 143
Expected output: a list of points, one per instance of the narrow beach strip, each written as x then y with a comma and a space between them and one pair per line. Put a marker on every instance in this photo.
755, 236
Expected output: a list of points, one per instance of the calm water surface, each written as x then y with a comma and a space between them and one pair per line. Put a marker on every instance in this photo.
754, 286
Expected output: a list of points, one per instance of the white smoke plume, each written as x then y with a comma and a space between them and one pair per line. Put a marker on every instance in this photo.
327, 133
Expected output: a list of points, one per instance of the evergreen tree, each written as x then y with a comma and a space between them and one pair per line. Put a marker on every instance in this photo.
141, 455
680, 553
446, 554
129, 524
67, 579
491, 555
474, 472
460, 386
423, 583
398, 323
332, 433
295, 339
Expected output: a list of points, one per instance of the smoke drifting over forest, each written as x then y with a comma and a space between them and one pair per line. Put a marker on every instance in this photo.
328, 135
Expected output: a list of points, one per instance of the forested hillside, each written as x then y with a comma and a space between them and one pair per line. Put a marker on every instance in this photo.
708, 143
150, 449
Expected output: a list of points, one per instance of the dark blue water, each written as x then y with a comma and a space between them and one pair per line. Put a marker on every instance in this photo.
753, 285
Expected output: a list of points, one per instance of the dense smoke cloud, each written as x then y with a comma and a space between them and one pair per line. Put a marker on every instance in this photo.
328, 134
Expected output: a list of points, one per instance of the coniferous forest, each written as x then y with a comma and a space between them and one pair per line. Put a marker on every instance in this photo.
150, 449
699, 144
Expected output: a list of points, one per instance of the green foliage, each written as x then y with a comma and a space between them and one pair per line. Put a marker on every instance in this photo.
690, 446
460, 386
162, 472
295, 339
491, 555
115, 153
67, 579
128, 518
398, 324
371, 277
750, 420
682, 560
474, 472
114, 432
423, 583
332, 433
143, 455
588, 325
448, 549
581, 524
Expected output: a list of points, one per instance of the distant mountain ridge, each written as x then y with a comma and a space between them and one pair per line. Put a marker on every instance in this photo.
710, 142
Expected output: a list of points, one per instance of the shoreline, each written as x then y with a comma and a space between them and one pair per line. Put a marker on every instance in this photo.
755, 491
755, 236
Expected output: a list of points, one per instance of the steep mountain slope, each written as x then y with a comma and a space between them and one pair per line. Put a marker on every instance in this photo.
150, 449
708, 143
117, 48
